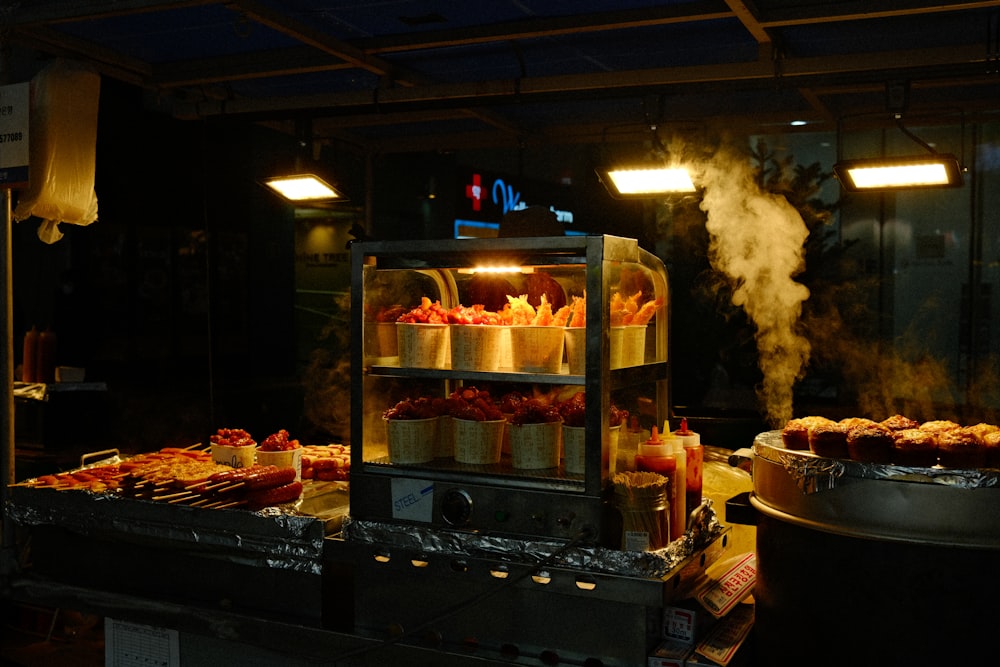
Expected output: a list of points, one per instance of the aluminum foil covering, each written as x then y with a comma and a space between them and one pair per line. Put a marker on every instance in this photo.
588, 557
272, 537
813, 474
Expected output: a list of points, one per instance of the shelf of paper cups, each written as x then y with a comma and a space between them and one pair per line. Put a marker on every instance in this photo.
574, 450
282, 458
477, 442
476, 347
536, 349
235, 457
411, 440
423, 345
628, 345
535, 445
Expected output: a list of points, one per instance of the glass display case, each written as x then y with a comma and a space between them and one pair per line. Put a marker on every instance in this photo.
453, 341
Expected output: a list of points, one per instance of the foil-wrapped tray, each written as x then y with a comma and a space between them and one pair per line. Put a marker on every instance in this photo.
929, 505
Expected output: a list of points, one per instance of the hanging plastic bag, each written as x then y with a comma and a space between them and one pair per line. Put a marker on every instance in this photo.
62, 149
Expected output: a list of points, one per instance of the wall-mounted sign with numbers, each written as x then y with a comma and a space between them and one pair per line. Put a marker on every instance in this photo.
14, 112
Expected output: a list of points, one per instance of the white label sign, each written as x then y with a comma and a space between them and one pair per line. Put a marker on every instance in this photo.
412, 499
14, 113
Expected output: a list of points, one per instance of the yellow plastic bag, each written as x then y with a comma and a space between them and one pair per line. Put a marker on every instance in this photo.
62, 149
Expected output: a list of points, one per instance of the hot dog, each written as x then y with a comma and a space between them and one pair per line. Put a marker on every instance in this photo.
286, 493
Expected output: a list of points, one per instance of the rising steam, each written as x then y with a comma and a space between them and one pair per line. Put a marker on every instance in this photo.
757, 240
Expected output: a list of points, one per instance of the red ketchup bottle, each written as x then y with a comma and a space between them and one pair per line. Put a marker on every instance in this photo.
45, 366
656, 455
29, 365
695, 464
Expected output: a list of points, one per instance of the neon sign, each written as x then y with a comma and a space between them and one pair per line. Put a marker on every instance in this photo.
506, 198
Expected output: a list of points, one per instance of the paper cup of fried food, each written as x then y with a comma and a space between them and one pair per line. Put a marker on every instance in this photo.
576, 349
380, 340
478, 442
616, 338
535, 445
444, 448
475, 347
574, 449
236, 457
423, 345
536, 349
634, 345
411, 440
282, 458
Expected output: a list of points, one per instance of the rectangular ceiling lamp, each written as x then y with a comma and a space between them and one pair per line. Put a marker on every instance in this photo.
899, 173
303, 188
644, 182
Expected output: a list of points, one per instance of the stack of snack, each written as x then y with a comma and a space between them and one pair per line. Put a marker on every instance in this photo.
898, 440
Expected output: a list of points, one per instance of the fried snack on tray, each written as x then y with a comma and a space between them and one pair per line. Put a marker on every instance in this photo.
182, 476
869, 443
326, 463
898, 440
795, 435
960, 448
913, 447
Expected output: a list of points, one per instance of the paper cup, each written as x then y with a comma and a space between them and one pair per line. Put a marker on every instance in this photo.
574, 449
475, 347
287, 458
235, 457
423, 345
535, 446
445, 446
536, 349
609, 458
628, 346
381, 340
634, 345
478, 442
505, 445
616, 336
506, 356
576, 349
411, 440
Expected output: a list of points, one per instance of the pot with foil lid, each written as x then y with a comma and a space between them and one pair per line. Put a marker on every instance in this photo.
951, 507
871, 563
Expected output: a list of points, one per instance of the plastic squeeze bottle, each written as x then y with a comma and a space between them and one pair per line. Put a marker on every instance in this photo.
678, 507
29, 367
656, 455
659, 455
695, 465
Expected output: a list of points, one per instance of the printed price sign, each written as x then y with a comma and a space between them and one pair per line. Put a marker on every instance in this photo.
14, 112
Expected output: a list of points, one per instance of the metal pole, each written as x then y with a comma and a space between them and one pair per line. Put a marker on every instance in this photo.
7, 373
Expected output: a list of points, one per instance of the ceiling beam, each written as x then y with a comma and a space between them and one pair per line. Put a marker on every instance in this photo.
481, 92
48, 12
309, 35
536, 28
861, 10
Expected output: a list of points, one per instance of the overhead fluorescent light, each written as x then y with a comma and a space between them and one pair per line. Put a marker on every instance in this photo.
640, 182
900, 173
303, 188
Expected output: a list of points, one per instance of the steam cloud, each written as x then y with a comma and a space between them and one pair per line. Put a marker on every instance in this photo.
757, 240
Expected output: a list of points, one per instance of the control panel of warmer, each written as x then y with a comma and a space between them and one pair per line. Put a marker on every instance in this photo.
489, 509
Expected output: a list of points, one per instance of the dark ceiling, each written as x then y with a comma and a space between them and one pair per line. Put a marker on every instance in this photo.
400, 75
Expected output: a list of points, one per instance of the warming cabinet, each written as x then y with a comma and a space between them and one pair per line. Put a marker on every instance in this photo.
601, 281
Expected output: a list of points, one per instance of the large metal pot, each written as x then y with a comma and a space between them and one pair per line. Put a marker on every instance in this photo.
872, 565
